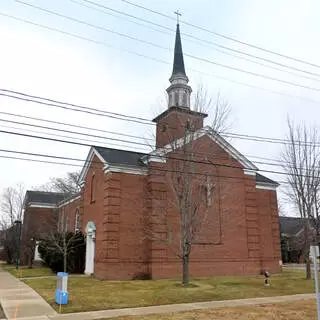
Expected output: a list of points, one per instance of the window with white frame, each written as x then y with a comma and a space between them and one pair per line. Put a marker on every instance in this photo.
76, 221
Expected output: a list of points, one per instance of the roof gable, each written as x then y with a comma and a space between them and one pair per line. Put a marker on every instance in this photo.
206, 131
290, 225
43, 198
93, 152
113, 157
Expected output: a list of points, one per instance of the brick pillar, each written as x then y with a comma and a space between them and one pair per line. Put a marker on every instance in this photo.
275, 225
252, 219
111, 218
157, 222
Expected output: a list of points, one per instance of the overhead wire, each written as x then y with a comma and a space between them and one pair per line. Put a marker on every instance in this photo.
199, 41
99, 163
122, 134
224, 36
271, 78
179, 159
74, 125
124, 117
155, 59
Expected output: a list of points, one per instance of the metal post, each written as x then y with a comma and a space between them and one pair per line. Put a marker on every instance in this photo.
19, 243
316, 278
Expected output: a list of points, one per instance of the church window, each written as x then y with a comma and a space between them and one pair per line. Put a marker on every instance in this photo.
76, 221
93, 189
207, 192
185, 100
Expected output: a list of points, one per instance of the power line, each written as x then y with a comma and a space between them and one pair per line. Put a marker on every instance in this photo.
152, 58
144, 121
224, 36
63, 105
123, 134
81, 37
244, 137
280, 163
97, 162
198, 40
74, 132
173, 158
86, 144
186, 54
122, 145
75, 126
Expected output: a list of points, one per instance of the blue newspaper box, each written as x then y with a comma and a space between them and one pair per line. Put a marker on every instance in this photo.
61, 294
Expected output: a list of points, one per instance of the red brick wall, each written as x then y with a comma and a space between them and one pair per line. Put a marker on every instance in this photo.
172, 126
241, 216
239, 234
269, 229
93, 210
125, 249
36, 223
67, 213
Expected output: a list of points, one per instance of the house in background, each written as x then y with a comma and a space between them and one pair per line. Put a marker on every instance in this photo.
41, 217
292, 239
122, 192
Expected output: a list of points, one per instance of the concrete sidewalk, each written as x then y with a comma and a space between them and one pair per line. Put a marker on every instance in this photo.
19, 301
181, 307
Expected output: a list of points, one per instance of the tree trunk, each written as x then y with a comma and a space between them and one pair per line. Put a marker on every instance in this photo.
185, 268
308, 267
65, 262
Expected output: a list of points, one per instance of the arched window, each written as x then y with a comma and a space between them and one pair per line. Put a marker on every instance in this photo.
76, 221
93, 189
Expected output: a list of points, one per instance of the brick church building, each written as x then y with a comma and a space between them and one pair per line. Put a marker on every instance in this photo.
128, 205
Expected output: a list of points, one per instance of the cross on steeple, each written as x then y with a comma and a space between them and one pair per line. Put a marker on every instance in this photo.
178, 14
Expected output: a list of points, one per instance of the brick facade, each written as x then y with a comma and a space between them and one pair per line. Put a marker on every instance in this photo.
239, 233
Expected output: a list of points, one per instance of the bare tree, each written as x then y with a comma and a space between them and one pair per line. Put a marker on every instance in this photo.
12, 205
190, 179
302, 158
61, 239
68, 184
219, 109
10, 220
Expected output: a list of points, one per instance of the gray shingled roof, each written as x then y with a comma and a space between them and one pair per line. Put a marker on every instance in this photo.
263, 179
290, 225
44, 197
132, 158
116, 156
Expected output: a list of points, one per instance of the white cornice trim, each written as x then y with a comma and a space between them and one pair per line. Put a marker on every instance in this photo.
266, 187
154, 156
125, 169
42, 205
61, 204
249, 172
93, 152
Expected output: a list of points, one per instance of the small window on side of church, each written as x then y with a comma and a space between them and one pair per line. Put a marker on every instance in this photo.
76, 221
93, 189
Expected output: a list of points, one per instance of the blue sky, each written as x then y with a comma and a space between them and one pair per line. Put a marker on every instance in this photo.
38, 61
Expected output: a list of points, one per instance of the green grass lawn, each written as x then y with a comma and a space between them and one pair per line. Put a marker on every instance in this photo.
87, 294
25, 272
281, 311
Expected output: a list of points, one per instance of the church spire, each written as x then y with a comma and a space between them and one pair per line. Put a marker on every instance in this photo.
178, 63
179, 92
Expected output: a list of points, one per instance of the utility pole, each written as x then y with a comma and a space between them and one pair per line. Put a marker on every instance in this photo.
316, 277
19, 224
